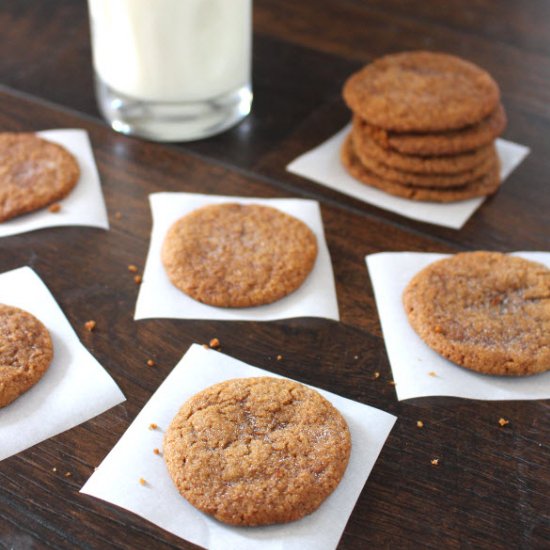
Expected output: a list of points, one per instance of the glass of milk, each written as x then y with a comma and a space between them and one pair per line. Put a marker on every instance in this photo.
172, 70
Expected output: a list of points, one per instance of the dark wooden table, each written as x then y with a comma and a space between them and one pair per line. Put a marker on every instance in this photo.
491, 488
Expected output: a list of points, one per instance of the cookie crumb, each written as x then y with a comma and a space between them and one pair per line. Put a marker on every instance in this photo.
142, 481
132, 268
391, 382
150, 363
206, 346
503, 422
138, 279
376, 375
68, 474
153, 426
54, 469
279, 357
432, 373
156, 451
356, 356
118, 215
90, 325
54, 208
419, 424
434, 461
214, 343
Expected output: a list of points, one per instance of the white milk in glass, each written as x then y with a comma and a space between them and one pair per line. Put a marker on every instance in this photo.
172, 69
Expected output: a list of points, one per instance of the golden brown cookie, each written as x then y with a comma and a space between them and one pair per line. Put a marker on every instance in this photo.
257, 451
485, 185
443, 143
426, 180
451, 164
421, 92
34, 172
485, 311
234, 255
25, 352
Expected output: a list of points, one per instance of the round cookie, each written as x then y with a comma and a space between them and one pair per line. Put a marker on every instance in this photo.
421, 91
428, 180
452, 164
257, 451
25, 352
34, 172
443, 143
485, 311
234, 255
485, 185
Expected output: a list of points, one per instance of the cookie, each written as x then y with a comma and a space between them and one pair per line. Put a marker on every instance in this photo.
454, 164
235, 255
257, 451
421, 92
485, 185
25, 352
443, 143
428, 180
485, 311
34, 173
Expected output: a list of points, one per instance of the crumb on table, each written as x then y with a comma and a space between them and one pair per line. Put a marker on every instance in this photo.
503, 422
434, 461
153, 426
138, 279
132, 268
54, 208
150, 363
90, 325
214, 343
419, 424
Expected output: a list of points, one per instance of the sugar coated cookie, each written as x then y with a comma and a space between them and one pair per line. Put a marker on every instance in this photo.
34, 173
25, 352
235, 255
257, 451
485, 311
421, 91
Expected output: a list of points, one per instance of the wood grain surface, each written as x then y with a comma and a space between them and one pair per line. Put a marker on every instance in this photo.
491, 488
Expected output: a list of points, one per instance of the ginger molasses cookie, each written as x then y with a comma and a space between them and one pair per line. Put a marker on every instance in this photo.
25, 352
34, 172
451, 164
235, 255
485, 311
426, 180
486, 185
453, 142
257, 451
421, 91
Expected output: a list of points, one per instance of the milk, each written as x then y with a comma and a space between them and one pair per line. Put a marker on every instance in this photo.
172, 50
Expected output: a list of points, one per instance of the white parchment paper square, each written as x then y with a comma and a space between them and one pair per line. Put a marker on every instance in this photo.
323, 166
158, 297
74, 389
116, 479
84, 205
412, 360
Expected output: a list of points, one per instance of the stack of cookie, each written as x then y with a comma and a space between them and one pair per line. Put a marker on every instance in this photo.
424, 127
